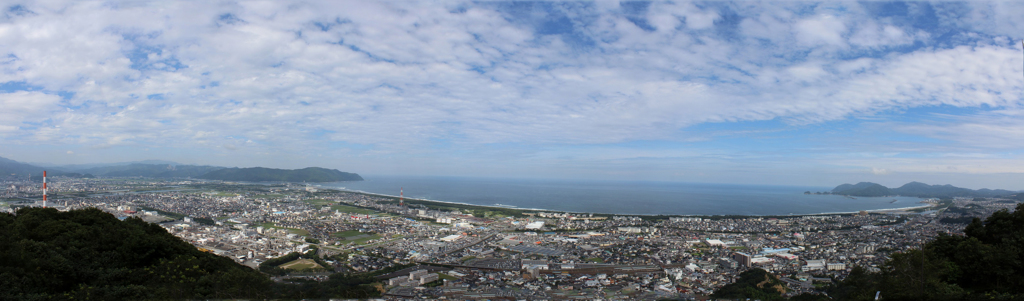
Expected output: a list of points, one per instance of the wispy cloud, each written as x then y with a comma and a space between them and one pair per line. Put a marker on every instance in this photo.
395, 78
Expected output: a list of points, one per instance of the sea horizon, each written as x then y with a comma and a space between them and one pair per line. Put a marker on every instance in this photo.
625, 197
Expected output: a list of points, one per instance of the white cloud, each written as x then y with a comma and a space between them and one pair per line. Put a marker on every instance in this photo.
23, 106
821, 29
872, 34
398, 77
879, 171
992, 130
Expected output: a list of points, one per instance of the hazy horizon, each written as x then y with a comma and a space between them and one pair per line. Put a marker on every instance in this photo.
766, 93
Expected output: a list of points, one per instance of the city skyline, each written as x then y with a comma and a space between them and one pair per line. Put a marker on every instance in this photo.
779, 93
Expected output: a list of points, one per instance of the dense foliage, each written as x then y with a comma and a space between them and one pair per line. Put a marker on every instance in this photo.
272, 266
89, 254
754, 284
337, 286
260, 174
986, 263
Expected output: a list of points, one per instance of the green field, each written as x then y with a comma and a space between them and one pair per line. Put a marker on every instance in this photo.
356, 237
347, 234
318, 202
351, 209
290, 230
269, 196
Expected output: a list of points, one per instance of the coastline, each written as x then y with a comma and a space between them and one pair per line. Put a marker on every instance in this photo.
509, 207
446, 202
876, 210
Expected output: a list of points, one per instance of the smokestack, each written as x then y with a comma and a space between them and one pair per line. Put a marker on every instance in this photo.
44, 189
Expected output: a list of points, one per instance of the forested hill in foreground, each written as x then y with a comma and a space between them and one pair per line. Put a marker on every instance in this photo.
260, 174
918, 189
89, 254
982, 264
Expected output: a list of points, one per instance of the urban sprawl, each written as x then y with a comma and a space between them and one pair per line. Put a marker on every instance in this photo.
453, 251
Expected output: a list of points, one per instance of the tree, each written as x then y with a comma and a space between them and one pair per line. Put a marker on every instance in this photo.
986, 263
754, 284
90, 254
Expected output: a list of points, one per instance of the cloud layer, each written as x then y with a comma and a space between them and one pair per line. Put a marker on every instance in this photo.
408, 80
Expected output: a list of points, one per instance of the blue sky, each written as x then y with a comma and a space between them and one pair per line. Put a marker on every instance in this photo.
788, 93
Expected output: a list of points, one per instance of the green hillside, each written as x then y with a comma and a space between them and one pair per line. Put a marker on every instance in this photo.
89, 254
983, 264
754, 284
866, 189
8, 167
152, 170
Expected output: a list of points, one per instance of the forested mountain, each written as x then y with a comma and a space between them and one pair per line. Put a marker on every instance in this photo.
81, 167
862, 189
152, 170
9, 167
254, 174
260, 174
918, 189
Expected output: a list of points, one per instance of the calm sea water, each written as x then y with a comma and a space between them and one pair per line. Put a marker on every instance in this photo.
624, 197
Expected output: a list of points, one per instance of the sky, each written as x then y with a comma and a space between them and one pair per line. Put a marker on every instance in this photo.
772, 93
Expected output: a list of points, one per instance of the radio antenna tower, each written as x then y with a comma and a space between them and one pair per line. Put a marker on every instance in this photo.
44, 189
401, 196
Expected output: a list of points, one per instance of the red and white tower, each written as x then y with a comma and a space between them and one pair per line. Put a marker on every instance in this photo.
401, 196
44, 189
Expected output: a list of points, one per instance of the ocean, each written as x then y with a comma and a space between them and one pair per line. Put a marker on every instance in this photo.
624, 197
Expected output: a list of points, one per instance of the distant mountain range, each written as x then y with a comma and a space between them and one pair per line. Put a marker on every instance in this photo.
174, 170
260, 174
152, 170
918, 189
9, 167
80, 167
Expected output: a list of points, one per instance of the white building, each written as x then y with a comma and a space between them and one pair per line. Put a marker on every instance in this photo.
814, 265
538, 264
535, 225
451, 238
714, 242
836, 266
428, 278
